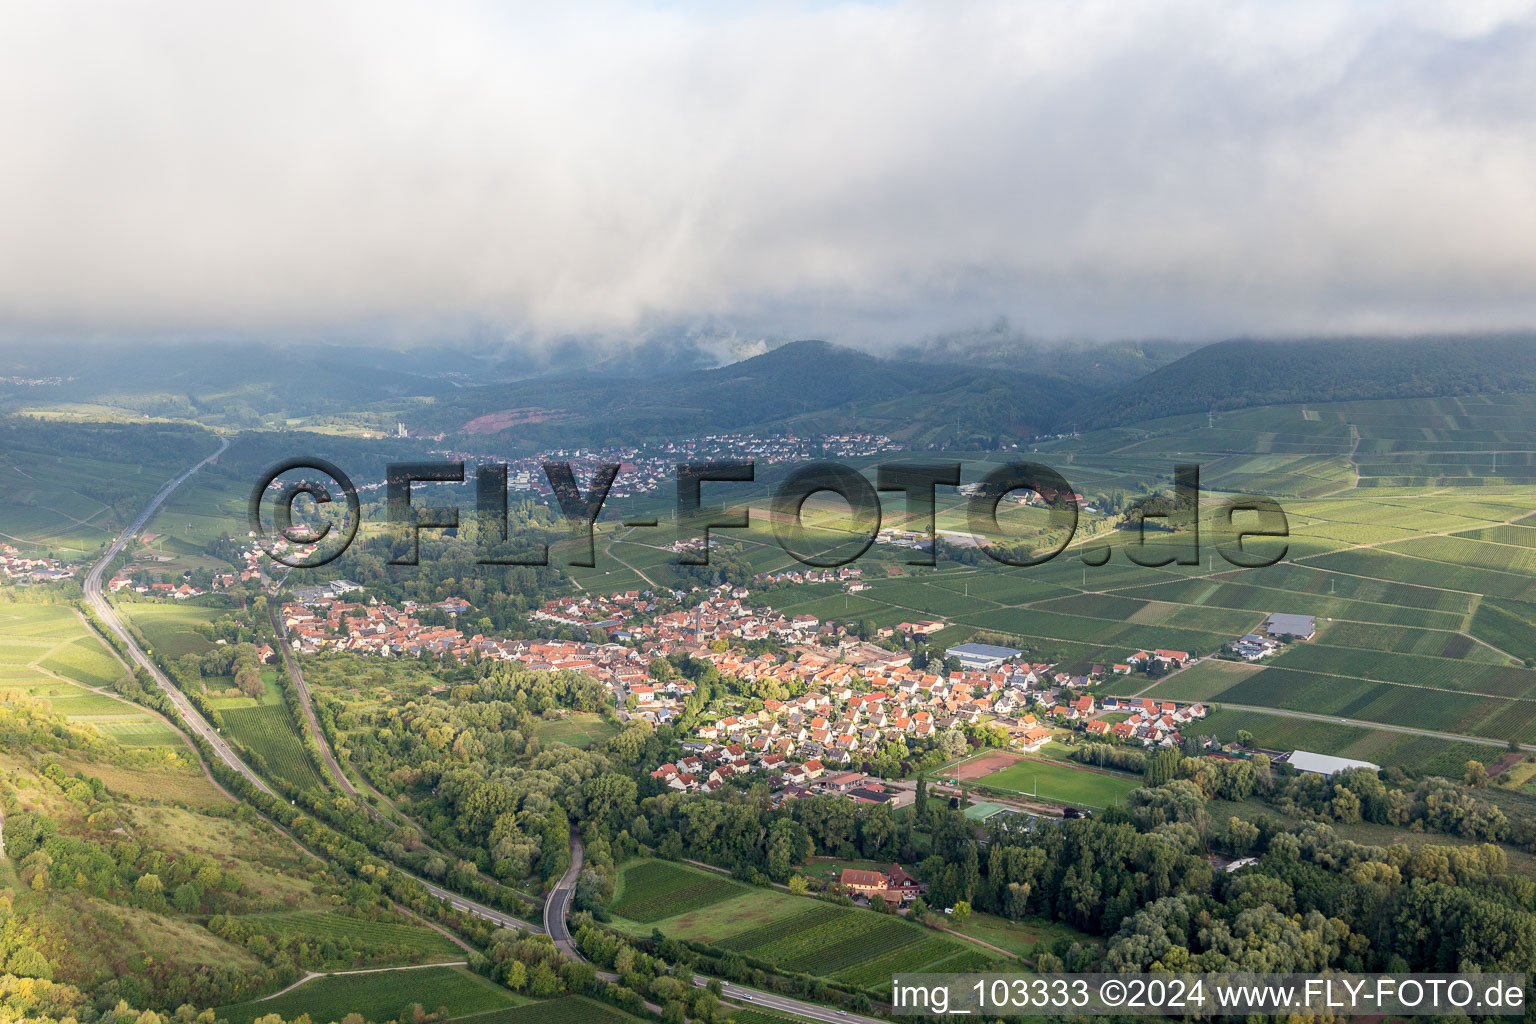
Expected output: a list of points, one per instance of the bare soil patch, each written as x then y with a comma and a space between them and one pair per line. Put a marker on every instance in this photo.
982, 766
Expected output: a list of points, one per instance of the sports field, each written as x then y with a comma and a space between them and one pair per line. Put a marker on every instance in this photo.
1060, 783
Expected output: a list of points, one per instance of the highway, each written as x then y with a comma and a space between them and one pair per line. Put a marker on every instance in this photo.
556, 908
108, 615
196, 722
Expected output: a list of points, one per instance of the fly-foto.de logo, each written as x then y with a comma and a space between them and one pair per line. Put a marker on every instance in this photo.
914, 484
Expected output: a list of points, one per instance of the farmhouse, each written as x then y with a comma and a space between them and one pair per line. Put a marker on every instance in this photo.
864, 883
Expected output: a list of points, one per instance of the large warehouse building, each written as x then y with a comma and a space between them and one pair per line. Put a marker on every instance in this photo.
981, 657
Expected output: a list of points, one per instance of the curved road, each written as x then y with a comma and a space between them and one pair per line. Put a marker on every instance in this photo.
196, 722
558, 907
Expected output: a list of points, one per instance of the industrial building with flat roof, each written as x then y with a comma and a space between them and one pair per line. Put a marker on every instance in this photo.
981, 657
1325, 764
1302, 627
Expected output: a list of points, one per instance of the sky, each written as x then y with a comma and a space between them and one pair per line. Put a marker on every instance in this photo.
866, 173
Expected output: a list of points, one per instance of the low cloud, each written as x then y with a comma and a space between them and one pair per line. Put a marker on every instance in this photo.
860, 172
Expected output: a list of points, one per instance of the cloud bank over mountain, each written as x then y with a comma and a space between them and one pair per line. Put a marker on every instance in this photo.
858, 172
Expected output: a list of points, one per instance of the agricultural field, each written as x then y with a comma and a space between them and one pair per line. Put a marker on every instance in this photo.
858, 947
1201, 681
269, 731
798, 934
166, 627
651, 890
1389, 749
48, 653
50, 502
754, 1016
1509, 626
381, 995
747, 907
561, 1010
1412, 705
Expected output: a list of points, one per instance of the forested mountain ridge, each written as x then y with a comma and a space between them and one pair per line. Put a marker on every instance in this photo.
1242, 373
962, 392
840, 388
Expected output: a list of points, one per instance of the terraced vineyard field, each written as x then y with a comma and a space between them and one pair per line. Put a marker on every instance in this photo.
47, 653
1416, 707
1508, 625
86, 661
139, 732
168, 628
656, 889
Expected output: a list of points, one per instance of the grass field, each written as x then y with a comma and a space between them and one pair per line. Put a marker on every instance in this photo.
1059, 783
412, 942
381, 995
1019, 937
577, 729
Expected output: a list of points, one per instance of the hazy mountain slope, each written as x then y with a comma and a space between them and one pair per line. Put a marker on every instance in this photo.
810, 383
1238, 374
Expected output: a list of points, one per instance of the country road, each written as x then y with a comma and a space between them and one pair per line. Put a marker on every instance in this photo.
557, 908
197, 723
